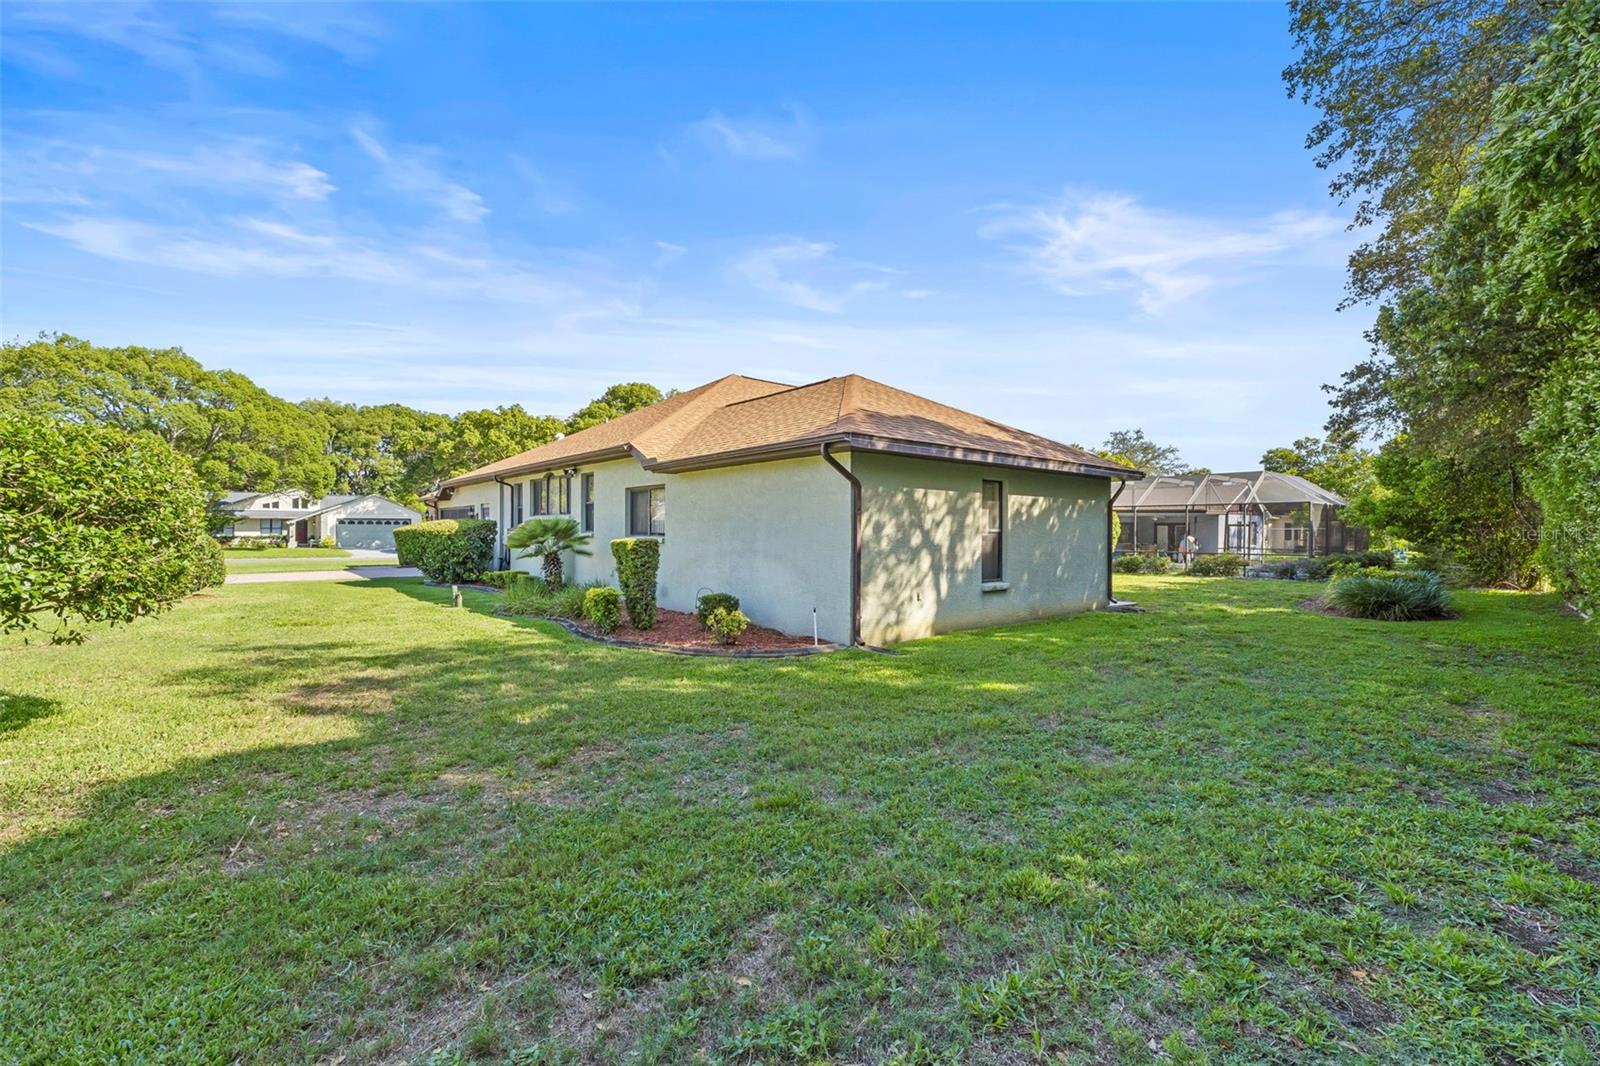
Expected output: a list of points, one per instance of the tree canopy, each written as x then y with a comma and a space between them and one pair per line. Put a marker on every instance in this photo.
239, 436
1471, 132
1132, 447
96, 525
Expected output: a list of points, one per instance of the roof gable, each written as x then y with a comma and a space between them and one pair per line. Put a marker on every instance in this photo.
738, 419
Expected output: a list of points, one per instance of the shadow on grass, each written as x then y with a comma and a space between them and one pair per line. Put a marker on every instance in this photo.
503, 798
17, 710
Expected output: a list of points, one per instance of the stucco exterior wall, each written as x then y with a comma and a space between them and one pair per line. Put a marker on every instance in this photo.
922, 540
777, 535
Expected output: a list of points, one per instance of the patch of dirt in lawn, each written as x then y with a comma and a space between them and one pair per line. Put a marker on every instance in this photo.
1532, 931
1354, 1005
1501, 793
362, 692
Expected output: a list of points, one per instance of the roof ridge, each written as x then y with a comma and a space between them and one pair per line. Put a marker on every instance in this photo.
781, 392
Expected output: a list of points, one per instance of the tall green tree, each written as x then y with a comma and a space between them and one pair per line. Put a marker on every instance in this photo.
1132, 447
1335, 463
1406, 91
236, 433
480, 437
388, 449
616, 401
1468, 131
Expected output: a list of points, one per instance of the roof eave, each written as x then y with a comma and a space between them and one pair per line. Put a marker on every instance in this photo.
806, 446
621, 451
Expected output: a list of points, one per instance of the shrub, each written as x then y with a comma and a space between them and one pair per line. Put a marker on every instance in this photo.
1226, 564
602, 606
327, 542
726, 624
1282, 569
524, 595
96, 525
448, 549
546, 539
1141, 563
499, 579
1401, 598
638, 559
710, 601
209, 566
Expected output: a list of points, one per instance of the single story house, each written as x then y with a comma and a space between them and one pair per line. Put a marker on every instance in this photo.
302, 521
873, 514
1254, 513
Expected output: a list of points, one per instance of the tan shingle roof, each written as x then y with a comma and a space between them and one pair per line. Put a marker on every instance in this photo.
736, 419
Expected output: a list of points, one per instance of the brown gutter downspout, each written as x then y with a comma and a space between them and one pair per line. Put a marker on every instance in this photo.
855, 542
500, 523
1111, 547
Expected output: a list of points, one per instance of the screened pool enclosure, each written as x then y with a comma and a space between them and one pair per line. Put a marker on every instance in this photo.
1256, 514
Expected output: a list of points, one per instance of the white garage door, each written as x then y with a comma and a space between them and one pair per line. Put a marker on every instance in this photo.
374, 533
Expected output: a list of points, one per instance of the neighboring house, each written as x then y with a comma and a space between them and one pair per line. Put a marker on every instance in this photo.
880, 515
352, 521
1252, 513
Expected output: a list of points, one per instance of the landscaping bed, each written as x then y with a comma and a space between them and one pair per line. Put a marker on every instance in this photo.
680, 631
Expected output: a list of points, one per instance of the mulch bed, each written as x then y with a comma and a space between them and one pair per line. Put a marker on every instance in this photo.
680, 632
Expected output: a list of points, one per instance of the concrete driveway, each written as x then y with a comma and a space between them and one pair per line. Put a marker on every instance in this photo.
357, 573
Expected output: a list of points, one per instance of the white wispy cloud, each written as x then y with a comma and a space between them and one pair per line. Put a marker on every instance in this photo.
411, 170
54, 170
803, 273
257, 247
1087, 243
348, 30
754, 138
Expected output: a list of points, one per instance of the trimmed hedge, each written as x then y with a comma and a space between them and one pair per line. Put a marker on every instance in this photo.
499, 579
602, 606
711, 601
1141, 563
1225, 565
638, 560
447, 549
210, 566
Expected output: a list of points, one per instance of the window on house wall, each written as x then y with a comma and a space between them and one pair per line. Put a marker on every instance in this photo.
516, 505
483, 510
299, 502
226, 530
272, 527
586, 495
994, 506
647, 512
564, 494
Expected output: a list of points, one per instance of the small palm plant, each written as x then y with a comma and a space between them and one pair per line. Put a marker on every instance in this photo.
548, 538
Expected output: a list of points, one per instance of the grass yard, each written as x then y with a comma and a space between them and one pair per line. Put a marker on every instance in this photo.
236, 555
293, 821
290, 566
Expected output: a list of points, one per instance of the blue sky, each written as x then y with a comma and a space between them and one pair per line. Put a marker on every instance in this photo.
1071, 218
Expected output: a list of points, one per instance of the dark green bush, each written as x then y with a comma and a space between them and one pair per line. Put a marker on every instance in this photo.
96, 525
209, 566
448, 549
1141, 563
499, 579
1406, 597
710, 601
638, 559
602, 606
726, 624
1226, 564
527, 595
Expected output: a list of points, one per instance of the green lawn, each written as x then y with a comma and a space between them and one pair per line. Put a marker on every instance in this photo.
235, 555
294, 821
289, 566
